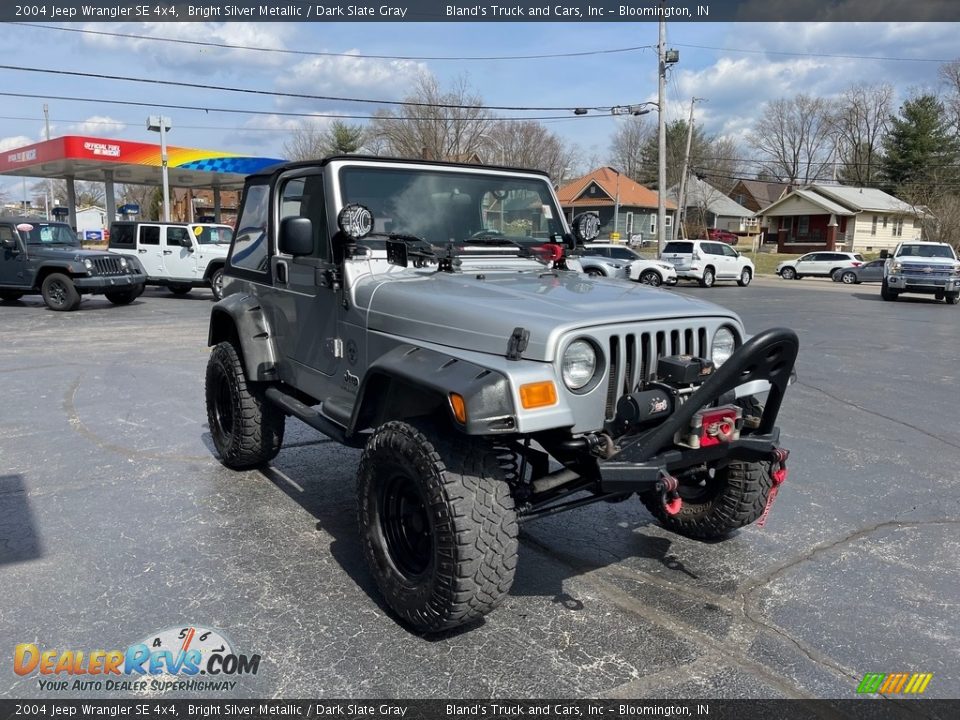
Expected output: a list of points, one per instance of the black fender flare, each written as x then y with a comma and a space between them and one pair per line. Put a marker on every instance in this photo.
239, 318
422, 379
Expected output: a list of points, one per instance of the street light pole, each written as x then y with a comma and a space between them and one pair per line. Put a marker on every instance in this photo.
161, 124
661, 140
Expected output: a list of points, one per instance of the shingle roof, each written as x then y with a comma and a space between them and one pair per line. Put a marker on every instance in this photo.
764, 192
632, 194
864, 198
700, 193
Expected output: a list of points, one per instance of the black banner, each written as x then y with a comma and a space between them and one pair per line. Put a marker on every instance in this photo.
471, 11
150, 708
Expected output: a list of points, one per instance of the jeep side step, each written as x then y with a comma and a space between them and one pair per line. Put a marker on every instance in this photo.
314, 418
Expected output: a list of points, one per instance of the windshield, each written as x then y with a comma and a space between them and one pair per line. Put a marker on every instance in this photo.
46, 233
212, 234
937, 251
443, 206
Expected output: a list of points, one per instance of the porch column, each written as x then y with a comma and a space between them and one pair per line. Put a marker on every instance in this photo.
782, 234
111, 200
71, 203
832, 233
216, 203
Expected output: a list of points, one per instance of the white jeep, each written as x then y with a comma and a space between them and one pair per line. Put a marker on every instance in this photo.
179, 256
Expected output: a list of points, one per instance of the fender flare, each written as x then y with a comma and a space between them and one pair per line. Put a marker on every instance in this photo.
240, 319
431, 376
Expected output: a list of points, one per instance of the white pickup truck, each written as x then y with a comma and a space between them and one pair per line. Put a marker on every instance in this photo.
927, 268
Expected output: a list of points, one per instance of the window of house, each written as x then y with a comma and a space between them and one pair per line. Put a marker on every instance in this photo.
653, 224
884, 221
668, 221
803, 224
873, 226
629, 226
898, 227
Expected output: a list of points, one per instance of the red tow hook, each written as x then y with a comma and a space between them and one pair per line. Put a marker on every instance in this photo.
669, 497
778, 474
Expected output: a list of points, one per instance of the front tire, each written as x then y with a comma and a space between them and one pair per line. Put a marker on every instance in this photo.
848, 278
709, 278
886, 293
59, 293
123, 297
788, 273
437, 525
736, 496
745, 277
650, 277
593, 272
247, 429
952, 298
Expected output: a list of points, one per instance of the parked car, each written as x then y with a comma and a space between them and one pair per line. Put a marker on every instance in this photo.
178, 256
481, 389
39, 256
818, 264
926, 268
860, 273
613, 260
722, 235
707, 261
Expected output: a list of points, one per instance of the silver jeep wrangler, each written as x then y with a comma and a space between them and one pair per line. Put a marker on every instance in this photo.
424, 312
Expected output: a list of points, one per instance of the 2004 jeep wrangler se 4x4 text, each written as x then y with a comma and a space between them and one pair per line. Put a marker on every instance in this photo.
424, 312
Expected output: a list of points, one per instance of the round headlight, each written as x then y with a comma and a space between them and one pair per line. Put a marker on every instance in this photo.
579, 364
123, 262
88, 263
724, 343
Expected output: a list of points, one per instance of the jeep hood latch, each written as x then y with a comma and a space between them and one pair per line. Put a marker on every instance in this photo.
518, 343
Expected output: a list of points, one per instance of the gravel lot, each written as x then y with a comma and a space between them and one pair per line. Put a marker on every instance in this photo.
116, 522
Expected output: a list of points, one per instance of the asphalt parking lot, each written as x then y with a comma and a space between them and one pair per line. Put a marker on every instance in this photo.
116, 521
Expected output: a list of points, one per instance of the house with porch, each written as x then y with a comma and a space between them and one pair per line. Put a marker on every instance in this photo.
624, 206
840, 217
757, 195
707, 207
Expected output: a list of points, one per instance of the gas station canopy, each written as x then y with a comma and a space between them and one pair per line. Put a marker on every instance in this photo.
104, 160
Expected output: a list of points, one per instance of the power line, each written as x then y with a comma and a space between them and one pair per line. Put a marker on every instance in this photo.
299, 96
278, 113
813, 54
315, 53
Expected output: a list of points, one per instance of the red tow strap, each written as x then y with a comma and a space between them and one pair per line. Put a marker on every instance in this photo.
778, 474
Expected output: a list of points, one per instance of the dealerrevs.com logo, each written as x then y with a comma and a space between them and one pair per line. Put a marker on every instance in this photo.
187, 658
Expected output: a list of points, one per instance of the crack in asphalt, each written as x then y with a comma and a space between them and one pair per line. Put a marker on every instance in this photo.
77, 424
852, 404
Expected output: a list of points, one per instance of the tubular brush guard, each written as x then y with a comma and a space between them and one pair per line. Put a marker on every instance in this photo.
642, 459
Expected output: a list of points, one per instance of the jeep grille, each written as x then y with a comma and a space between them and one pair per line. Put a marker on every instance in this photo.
107, 266
633, 356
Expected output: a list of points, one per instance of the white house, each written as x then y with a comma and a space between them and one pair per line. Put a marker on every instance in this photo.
91, 223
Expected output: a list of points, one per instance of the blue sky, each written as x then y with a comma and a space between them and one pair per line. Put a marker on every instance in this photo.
735, 80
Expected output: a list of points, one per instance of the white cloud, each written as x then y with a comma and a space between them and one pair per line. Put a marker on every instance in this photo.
97, 125
15, 141
351, 73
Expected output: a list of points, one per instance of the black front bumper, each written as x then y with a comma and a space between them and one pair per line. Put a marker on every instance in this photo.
95, 284
642, 458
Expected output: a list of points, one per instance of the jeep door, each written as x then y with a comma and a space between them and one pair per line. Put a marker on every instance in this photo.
179, 262
13, 260
305, 307
149, 251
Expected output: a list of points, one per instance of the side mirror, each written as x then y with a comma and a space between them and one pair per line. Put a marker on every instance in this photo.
9, 244
884, 254
186, 242
586, 227
296, 236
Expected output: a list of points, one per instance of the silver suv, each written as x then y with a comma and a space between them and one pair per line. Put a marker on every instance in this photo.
396, 306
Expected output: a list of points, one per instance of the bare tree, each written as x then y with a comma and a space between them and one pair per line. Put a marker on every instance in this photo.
434, 123
148, 197
88, 192
793, 137
315, 139
529, 144
633, 134
950, 76
860, 124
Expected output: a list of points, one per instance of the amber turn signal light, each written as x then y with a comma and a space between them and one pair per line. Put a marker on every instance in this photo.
538, 394
459, 407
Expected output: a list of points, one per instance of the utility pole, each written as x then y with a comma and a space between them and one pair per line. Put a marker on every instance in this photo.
678, 231
616, 207
661, 137
48, 193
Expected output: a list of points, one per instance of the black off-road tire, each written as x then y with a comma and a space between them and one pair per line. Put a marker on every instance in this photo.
952, 298
886, 293
650, 277
735, 497
247, 429
180, 289
709, 277
123, 297
10, 295
59, 292
746, 275
216, 283
437, 525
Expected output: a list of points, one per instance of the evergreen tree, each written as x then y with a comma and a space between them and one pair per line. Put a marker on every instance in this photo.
920, 151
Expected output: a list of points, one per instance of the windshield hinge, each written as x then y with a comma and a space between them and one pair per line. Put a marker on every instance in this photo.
518, 343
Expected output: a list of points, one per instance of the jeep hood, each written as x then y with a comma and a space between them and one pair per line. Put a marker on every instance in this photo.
64, 252
479, 313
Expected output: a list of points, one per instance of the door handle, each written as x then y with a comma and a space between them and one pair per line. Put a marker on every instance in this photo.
168, 252
142, 250
282, 273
